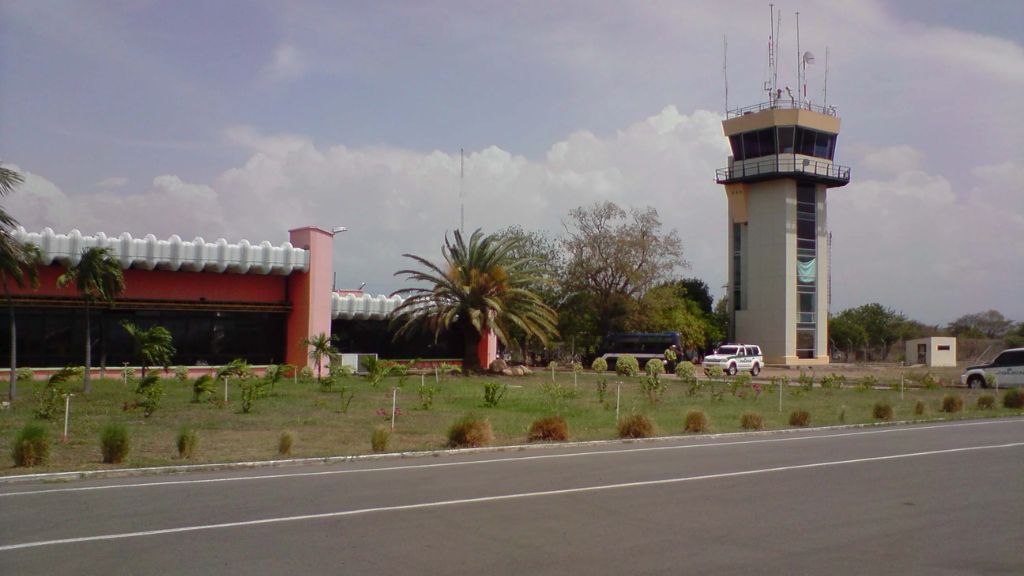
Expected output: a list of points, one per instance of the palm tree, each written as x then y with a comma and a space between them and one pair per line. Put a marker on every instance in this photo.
19, 263
8, 180
480, 287
153, 346
98, 277
320, 346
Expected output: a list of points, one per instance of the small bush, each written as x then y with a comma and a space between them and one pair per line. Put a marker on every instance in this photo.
636, 426
306, 373
951, 404
380, 438
599, 365
426, 393
188, 440
115, 443
986, 402
181, 373
696, 421
654, 367
202, 388
751, 421
685, 371
882, 411
493, 393
149, 392
806, 382
867, 383
627, 365
549, 429
715, 373
470, 432
1013, 399
25, 374
285, 442
919, 407
653, 387
31, 445
799, 418
602, 389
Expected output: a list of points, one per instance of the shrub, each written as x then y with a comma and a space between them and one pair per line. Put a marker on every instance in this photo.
31, 445
188, 440
285, 442
715, 373
919, 407
558, 394
50, 398
114, 443
202, 387
799, 418
548, 429
867, 383
751, 421
685, 371
951, 404
653, 387
1013, 399
602, 389
149, 391
696, 421
882, 411
493, 393
627, 365
251, 389
806, 382
636, 426
470, 432
306, 373
181, 373
599, 365
380, 438
654, 367
25, 374
986, 402
426, 393
928, 381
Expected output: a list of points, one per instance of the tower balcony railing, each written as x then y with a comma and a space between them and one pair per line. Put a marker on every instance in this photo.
780, 166
781, 104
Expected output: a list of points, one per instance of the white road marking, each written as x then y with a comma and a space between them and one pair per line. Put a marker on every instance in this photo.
503, 460
484, 499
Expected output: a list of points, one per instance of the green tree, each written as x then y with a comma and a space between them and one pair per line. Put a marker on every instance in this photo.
662, 309
19, 264
98, 278
154, 346
988, 324
321, 347
479, 286
547, 256
613, 255
881, 326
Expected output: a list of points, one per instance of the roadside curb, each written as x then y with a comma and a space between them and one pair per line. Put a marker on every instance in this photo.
218, 467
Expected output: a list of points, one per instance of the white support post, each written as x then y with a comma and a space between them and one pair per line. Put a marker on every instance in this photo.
781, 384
394, 405
225, 390
618, 395
67, 414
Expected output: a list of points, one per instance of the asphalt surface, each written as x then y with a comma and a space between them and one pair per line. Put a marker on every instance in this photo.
926, 499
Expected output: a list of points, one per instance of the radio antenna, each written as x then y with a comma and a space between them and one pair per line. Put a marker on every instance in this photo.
725, 70
825, 105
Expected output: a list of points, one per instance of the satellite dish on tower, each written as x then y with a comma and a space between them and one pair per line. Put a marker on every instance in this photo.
808, 58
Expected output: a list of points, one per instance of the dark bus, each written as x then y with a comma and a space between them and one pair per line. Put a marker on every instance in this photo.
641, 345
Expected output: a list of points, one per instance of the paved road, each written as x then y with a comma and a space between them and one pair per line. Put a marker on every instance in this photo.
927, 499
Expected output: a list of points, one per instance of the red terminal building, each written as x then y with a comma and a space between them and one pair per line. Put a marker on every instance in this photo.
219, 300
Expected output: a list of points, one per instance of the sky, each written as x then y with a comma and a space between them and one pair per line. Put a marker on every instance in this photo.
246, 119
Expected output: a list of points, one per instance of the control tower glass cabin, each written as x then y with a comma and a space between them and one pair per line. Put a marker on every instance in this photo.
780, 168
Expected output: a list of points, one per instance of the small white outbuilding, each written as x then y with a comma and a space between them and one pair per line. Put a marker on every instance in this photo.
934, 352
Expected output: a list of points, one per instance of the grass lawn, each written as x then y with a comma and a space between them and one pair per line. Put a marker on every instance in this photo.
323, 427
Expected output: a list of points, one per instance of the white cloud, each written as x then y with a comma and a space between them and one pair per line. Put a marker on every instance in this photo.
287, 63
112, 182
893, 159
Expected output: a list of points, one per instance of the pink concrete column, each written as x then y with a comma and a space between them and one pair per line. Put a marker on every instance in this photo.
310, 293
487, 351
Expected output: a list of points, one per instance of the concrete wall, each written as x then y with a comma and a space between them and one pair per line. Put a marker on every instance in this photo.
940, 351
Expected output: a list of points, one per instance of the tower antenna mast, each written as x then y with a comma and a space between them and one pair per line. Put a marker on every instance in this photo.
462, 191
801, 86
725, 69
825, 98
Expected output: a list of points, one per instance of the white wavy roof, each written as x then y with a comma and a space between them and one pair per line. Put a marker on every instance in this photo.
173, 254
362, 306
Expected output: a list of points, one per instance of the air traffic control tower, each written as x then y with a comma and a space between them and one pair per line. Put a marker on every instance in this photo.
776, 182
